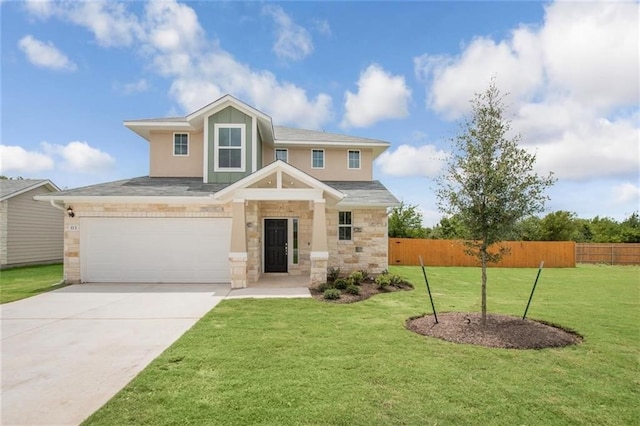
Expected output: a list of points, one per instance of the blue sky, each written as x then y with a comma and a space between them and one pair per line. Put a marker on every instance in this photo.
72, 72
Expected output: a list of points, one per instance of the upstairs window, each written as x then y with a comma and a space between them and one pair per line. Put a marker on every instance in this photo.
353, 159
180, 144
229, 144
344, 226
317, 159
282, 154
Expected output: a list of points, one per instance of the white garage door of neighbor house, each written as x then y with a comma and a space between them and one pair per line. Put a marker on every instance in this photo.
189, 250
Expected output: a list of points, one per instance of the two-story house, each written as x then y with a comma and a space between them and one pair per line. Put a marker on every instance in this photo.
230, 197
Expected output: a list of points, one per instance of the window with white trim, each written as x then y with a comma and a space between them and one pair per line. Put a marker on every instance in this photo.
282, 154
229, 145
317, 158
353, 159
180, 144
345, 227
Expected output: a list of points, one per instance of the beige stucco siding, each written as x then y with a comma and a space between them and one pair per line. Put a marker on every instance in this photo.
164, 164
335, 163
34, 230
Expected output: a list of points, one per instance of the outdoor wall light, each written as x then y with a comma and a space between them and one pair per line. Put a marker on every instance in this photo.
70, 212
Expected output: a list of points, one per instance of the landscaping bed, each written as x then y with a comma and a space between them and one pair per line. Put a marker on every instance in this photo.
357, 286
500, 331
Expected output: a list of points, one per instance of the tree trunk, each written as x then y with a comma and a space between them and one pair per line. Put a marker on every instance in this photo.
483, 320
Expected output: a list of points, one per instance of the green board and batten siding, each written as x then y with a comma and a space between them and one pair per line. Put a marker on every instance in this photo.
230, 115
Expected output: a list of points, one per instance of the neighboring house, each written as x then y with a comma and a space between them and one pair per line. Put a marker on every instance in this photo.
230, 197
30, 231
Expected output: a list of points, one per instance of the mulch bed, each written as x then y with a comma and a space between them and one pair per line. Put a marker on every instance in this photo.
501, 331
367, 289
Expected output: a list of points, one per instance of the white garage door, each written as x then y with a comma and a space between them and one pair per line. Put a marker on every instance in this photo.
190, 250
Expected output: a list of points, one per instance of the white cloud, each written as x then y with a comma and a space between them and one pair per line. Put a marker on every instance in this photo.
626, 193
74, 157
171, 26
380, 96
170, 35
322, 27
568, 80
293, 41
15, 160
45, 55
138, 86
409, 160
80, 157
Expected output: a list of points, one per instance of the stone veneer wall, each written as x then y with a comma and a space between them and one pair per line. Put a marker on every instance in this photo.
368, 249
72, 237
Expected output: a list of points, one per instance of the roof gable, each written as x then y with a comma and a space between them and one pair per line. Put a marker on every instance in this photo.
278, 176
10, 188
195, 120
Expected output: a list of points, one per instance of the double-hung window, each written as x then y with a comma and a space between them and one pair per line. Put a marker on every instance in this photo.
353, 159
317, 158
229, 145
180, 144
282, 154
344, 226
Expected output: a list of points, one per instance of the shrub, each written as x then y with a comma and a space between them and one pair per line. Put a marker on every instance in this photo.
353, 289
383, 280
341, 283
365, 274
357, 277
331, 294
396, 281
333, 274
325, 286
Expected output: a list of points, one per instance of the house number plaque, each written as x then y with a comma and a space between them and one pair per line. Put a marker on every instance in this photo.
73, 227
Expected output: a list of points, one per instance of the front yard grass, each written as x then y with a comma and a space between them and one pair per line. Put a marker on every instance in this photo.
303, 362
27, 281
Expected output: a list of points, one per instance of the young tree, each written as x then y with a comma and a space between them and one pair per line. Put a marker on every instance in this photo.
490, 183
405, 221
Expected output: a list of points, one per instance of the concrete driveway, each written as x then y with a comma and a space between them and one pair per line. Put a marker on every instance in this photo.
67, 352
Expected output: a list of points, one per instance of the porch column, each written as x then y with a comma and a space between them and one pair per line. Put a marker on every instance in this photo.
238, 248
319, 248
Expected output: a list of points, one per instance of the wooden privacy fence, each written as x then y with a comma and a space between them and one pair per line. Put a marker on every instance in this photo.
524, 254
612, 254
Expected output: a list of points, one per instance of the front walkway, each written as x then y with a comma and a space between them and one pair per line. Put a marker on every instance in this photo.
274, 285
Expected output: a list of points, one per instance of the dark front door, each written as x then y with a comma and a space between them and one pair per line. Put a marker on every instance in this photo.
275, 245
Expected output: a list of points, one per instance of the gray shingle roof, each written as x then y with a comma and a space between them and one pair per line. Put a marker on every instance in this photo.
11, 186
356, 192
364, 193
146, 186
289, 134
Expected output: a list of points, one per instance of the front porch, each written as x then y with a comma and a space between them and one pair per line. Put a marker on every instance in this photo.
279, 224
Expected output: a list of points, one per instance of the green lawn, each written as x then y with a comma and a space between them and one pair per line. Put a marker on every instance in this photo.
20, 283
303, 362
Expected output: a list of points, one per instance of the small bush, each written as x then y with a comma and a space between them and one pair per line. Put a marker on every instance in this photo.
353, 289
333, 274
383, 280
341, 283
331, 294
357, 277
396, 281
365, 274
325, 286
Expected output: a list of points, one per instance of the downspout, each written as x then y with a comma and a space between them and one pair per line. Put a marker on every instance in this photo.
57, 206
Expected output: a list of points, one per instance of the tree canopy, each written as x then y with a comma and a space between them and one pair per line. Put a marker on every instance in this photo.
490, 184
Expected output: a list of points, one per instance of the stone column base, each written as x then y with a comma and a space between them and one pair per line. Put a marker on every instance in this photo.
238, 264
319, 264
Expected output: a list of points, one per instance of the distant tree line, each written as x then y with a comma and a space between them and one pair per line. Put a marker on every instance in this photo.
405, 221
